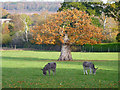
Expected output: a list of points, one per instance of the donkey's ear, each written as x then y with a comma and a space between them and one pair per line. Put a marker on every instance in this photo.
96, 68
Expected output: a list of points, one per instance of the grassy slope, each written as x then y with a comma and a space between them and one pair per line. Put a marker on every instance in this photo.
22, 69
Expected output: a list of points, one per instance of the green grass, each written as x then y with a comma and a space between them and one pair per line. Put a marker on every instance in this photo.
44, 55
22, 69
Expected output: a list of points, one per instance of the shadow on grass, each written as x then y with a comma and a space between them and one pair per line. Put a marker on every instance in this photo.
98, 63
101, 65
59, 72
24, 58
38, 71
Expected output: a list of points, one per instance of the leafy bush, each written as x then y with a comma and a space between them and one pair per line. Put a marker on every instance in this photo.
6, 39
19, 39
96, 22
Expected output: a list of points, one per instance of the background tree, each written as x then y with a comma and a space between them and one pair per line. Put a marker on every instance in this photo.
19, 27
111, 30
27, 22
17, 22
4, 13
39, 19
68, 28
5, 29
118, 37
92, 8
19, 39
112, 10
6, 38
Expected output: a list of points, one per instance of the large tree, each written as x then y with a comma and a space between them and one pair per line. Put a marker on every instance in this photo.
67, 28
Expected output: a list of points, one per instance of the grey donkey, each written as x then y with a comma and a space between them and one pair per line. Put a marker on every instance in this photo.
48, 67
89, 65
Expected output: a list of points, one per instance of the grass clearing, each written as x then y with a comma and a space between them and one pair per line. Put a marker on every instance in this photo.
21, 69
46, 55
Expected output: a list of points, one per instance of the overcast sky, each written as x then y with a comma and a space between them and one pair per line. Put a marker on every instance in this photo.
37, 0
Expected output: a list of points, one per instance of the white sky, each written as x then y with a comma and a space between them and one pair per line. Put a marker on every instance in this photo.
105, 1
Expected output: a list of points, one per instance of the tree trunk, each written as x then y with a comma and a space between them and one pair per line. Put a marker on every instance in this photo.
104, 23
65, 50
26, 31
65, 53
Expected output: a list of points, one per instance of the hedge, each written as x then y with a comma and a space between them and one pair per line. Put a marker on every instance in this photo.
104, 47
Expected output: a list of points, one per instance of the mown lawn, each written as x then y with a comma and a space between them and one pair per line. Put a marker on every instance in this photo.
23, 69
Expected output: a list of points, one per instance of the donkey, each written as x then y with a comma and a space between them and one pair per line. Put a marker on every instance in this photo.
48, 67
89, 65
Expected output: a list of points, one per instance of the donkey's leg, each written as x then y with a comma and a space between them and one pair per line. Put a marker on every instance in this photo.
90, 71
84, 70
49, 72
53, 71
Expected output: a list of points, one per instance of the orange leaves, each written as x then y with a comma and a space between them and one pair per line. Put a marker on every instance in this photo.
76, 24
81, 42
61, 39
5, 29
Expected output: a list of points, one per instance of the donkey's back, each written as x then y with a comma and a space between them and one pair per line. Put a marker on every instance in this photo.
52, 65
88, 65
48, 67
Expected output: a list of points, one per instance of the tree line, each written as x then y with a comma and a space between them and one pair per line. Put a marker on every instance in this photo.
31, 6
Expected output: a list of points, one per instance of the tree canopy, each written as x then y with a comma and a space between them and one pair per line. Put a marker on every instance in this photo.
74, 24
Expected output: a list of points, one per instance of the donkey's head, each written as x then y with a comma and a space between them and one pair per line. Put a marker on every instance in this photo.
44, 71
94, 71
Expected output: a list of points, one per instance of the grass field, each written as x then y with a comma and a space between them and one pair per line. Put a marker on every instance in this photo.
22, 69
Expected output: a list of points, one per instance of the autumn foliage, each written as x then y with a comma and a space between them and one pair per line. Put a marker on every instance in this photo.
5, 29
73, 23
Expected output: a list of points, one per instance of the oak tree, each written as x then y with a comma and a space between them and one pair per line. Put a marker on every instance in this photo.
68, 28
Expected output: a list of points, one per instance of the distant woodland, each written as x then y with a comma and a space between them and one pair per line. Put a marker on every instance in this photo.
30, 6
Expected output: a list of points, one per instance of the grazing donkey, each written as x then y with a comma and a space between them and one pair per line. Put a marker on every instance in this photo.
49, 66
89, 65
